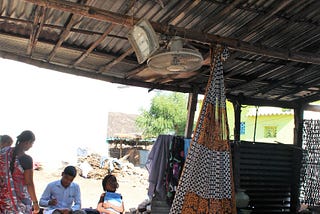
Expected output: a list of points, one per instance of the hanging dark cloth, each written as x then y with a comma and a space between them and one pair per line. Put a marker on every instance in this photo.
206, 184
156, 165
175, 164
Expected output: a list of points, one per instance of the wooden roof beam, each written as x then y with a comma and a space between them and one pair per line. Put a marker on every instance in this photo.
251, 66
133, 72
37, 26
94, 45
315, 108
101, 38
75, 30
100, 55
72, 21
313, 82
89, 74
243, 100
189, 34
258, 77
310, 99
116, 61
293, 76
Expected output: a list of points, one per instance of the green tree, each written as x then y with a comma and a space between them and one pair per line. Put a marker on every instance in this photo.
167, 115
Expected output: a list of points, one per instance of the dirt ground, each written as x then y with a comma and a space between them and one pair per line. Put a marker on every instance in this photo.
133, 186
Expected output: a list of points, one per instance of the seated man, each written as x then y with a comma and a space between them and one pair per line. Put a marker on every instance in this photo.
62, 196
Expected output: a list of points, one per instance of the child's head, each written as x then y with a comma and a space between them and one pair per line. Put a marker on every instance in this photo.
110, 183
5, 140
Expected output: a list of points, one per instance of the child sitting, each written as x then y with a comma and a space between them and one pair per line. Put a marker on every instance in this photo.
110, 202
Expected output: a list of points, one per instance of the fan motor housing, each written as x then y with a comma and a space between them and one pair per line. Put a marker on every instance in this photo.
184, 60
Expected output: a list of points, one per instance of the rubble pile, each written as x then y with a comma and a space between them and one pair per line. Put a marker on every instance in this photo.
95, 166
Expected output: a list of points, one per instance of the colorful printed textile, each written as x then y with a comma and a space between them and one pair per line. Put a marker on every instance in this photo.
206, 184
8, 199
14, 197
24, 199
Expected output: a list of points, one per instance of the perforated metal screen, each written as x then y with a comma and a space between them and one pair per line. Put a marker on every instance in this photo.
310, 170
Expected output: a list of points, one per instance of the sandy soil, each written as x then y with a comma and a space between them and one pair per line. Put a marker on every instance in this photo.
133, 186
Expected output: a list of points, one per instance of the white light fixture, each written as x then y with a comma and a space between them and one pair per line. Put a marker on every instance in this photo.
143, 40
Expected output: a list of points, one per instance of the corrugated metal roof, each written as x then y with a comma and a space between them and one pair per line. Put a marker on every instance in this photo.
274, 44
269, 111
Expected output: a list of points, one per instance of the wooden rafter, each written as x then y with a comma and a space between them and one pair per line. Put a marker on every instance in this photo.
284, 81
73, 20
249, 67
261, 102
309, 99
115, 61
90, 74
258, 77
314, 81
188, 34
134, 72
101, 38
315, 108
96, 54
75, 30
94, 45
37, 26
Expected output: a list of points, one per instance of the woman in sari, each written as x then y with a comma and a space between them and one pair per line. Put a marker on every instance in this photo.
17, 191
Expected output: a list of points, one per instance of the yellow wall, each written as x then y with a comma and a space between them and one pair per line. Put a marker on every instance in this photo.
283, 122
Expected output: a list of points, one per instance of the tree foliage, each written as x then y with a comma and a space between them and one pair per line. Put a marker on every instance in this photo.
167, 115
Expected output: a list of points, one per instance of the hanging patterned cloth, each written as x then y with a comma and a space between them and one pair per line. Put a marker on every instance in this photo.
206, 184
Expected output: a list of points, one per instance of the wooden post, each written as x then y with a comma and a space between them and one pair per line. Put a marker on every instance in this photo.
297, 158
192, 107
298, 126
120, 150
237, 120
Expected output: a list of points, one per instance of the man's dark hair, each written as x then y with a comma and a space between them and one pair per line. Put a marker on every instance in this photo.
70, 170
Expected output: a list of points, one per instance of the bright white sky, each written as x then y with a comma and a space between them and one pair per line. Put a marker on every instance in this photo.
64, 111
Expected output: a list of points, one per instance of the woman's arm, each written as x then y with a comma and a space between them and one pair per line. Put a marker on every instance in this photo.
28, 179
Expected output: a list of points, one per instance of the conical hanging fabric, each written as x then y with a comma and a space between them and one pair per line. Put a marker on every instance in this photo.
206, 184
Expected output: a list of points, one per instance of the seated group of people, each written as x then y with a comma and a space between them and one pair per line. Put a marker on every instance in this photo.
63, 196
17, 189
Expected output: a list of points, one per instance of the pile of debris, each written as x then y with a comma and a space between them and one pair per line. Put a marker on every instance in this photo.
95, 166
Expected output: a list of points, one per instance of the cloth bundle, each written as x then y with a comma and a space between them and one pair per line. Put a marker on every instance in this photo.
206, 184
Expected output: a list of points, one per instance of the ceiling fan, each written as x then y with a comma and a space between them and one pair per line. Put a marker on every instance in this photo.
173, 58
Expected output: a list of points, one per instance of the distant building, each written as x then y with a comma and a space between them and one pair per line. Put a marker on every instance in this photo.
122, 125
267, 124
272, 125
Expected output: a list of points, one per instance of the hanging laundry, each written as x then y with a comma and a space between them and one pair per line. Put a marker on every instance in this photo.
174, 166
